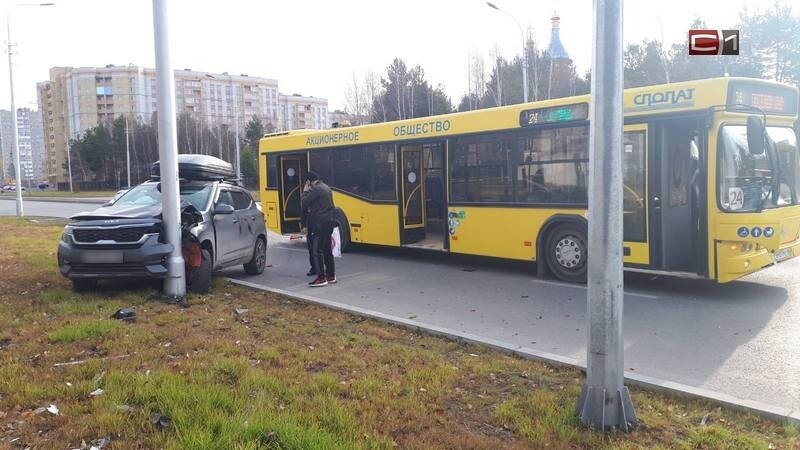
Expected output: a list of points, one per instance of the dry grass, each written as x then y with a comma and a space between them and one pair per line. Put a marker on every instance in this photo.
286, 375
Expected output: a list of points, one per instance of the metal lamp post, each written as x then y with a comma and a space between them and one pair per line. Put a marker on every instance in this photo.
15, 132
524, 51
605, 401
175, 283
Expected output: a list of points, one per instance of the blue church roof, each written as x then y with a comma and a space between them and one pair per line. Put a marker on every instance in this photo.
556, 48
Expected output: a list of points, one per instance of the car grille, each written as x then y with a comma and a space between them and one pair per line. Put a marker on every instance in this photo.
130, 269
122, 235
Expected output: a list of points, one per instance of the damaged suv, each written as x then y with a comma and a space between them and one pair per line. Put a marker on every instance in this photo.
221, 227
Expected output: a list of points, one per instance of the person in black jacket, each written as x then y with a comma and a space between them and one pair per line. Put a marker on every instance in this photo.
308, 229
317, 198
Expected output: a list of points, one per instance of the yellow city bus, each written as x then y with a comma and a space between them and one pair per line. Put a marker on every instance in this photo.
511, 182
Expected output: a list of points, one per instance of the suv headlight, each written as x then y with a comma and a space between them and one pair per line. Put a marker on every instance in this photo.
66, 236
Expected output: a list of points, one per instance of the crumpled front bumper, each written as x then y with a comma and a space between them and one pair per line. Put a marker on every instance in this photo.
110, 262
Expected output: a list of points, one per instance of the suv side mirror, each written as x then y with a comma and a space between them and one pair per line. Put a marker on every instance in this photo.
755, 135
223, 208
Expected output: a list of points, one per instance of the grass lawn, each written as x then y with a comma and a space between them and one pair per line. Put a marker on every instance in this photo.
286, 374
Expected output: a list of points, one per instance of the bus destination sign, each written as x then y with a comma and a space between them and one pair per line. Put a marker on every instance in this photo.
554, 114
770, 99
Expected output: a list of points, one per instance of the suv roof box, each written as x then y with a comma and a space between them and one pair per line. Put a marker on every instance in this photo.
199, 167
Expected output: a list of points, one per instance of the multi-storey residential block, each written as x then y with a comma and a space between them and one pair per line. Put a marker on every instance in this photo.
297, 112
74, 100
29, 132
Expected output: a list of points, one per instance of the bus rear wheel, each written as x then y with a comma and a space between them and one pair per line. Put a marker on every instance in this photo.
566, 253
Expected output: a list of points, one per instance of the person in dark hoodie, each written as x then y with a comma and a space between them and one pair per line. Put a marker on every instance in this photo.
317, 198
308, 229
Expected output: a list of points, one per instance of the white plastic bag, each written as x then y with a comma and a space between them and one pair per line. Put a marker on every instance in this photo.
336, 243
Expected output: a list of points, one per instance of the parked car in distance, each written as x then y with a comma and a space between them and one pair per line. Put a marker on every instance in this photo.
13, 188
222, 227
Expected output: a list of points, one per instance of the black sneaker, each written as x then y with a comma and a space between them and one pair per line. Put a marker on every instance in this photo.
319, 281
311, 273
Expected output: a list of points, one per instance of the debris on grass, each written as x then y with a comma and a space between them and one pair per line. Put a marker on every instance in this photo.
84, 361
125, 315
159, 420
97, 392
52, 409
4, 343
100, 444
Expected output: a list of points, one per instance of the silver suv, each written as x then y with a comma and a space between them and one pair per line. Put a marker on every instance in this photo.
221, 225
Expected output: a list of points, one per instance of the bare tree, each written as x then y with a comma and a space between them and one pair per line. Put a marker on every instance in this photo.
498, 75
354, 99
372, 90
478, 77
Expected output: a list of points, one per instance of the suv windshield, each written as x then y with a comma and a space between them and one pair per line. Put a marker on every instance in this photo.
746, 180
148, 194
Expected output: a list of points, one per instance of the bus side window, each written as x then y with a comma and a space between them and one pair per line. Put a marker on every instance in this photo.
272, 171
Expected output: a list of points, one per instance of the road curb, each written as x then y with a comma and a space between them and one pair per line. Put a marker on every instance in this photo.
771, 412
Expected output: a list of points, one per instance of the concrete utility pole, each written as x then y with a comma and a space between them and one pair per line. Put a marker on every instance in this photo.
69, 168
175, 283
605, 401
236, 129
524, 51
127, 152
14, 131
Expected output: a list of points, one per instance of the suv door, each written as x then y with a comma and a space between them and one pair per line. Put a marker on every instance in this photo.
248, 220
227, 231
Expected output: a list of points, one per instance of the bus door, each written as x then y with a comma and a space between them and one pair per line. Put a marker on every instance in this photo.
413, 199
424, 210
676, 194
293, 170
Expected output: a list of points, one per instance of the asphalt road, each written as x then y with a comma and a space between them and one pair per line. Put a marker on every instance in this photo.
8, 207
739, 338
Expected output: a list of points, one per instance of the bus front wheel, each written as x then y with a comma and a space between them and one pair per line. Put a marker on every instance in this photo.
566, 253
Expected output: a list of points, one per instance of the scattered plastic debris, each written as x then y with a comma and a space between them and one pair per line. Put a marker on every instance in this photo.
160, 420
100, 444
4, 343
52, 409
240, 314
125, 315
125, 408
97, 393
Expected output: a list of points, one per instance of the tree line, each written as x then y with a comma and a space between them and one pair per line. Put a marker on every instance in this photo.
768, 50
99, 155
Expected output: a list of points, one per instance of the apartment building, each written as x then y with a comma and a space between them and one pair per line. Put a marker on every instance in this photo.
74, 100
299, 112
31, 150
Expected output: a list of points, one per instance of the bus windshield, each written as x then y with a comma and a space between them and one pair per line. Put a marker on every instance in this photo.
746, 180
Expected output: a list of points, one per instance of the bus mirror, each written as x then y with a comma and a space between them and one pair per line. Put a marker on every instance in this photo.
755, 135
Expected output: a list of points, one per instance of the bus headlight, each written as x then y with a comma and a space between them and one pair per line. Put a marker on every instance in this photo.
744, 247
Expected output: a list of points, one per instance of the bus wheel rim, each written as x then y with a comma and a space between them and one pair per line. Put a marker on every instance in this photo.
569, 252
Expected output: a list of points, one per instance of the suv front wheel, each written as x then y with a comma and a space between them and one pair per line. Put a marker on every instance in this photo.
259, 261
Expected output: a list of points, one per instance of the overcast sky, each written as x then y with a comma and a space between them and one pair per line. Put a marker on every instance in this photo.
313, 46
